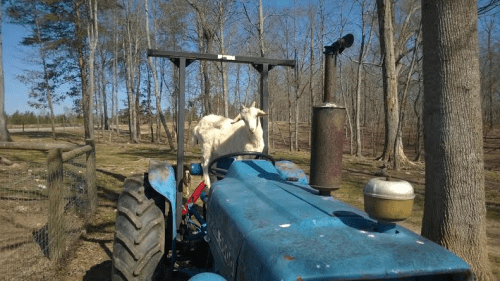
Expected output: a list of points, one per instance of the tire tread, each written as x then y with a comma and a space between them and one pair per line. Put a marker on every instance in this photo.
139, 242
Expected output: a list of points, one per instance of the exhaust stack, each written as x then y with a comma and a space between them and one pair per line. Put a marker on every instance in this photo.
328, 127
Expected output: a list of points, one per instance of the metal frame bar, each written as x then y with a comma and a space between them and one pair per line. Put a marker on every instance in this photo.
220, 58
184, 59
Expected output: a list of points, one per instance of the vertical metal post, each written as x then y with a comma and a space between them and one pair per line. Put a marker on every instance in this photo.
330, 85
180, 138
264, 103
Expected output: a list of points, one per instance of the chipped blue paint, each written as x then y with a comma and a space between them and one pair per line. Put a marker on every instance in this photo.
289, 171
262, 227
161, 177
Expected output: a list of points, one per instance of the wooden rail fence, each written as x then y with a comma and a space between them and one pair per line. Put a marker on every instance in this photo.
57, 155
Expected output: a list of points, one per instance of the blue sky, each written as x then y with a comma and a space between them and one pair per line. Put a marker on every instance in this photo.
16, 93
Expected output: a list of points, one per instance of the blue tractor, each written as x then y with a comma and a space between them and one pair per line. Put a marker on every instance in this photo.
266, 220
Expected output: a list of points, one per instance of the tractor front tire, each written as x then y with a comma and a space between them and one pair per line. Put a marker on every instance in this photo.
139, 242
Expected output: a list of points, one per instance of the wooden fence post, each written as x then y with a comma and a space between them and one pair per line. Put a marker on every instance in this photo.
57, 232
91, 177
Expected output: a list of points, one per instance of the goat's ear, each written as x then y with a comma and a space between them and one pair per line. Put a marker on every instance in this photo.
261, 113
236, 119
242, 107
253, 104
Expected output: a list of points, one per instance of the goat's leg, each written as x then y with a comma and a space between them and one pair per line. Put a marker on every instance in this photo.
204, 164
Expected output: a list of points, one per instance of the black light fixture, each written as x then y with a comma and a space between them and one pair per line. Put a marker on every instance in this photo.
338, 46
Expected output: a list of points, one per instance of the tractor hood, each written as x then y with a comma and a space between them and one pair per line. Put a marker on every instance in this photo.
262, 227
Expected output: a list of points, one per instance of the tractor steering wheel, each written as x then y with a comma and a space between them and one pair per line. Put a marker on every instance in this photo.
221, 173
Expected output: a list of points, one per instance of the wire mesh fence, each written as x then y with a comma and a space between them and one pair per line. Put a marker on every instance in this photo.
43, 212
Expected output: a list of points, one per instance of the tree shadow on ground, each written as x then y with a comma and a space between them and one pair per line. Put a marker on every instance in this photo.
160, 154
119, 177
48, 135
99, 272
41, 237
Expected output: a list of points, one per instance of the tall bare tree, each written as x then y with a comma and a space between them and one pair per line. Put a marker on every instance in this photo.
399, 139
363, 50
32, 15
386, 30
454, 209
4, 132
490, 76
114, 90
93, 36
393, 51
130, 53
155, 79
206, 29
102, 72
223, 7
311, 18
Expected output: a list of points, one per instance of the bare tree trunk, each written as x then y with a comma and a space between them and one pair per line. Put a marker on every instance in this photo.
311, 72
113, 94
98, 96
490, 76
150, 112
322, 39
86, 97
130, 99
349, 123
52, 117
104, 95
399, 157
4, 132
205, 40
389, 77
223, 65
158, 129
130, 75
272, 116
454, 209
47, 86
419, 146
93, 35
362, 54
297, 125
137, 102
46, 81
261, 30
115, 80
155, 79
290, 118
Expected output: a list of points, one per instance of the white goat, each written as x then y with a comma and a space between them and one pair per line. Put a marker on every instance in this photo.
219, 135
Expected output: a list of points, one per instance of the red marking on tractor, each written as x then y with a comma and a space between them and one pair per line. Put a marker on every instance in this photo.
194, 197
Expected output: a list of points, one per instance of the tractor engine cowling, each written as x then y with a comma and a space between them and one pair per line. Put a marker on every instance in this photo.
263, 227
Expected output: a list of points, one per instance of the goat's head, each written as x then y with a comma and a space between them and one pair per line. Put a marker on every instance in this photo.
250, 115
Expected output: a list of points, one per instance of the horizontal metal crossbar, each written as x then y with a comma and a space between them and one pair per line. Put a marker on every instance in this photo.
225, 58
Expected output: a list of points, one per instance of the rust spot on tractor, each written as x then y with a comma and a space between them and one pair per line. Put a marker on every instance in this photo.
299, 278
287, 257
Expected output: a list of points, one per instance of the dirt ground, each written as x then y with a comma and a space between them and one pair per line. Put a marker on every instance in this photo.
90, 258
